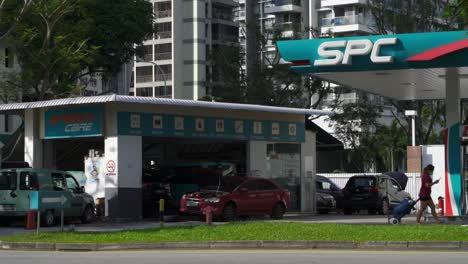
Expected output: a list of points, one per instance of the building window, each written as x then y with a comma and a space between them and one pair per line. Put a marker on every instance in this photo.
163, 91
164, 30
147, 53
162, 9
144, 74
146, 91
163, 72
163, 52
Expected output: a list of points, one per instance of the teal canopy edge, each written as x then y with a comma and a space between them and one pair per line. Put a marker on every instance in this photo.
407, 46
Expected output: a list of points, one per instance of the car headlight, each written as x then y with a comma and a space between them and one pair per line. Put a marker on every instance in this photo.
212, 200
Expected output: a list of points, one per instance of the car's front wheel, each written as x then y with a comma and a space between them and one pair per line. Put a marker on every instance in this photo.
278, 211
230, 212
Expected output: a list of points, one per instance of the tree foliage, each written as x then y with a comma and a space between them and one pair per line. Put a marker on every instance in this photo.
392, 16
269, 81
396, 16
11, 12
59, 41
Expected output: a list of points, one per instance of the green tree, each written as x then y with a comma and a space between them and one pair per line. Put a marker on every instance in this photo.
10, 87
11, 11
392, 16
354, 125
59, 41
458, 9
396, 16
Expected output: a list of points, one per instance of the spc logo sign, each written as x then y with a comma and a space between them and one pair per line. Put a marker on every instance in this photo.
358, 47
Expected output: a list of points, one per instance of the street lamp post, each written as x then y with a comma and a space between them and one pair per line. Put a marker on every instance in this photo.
413, 114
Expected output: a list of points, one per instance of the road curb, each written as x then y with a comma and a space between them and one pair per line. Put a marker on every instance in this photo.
286, 245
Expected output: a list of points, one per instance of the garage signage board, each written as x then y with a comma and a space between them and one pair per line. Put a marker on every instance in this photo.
73, 122
163, 125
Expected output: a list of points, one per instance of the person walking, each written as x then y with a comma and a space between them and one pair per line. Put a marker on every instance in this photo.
425, 194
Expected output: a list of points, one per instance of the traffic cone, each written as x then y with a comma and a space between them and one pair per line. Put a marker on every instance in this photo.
31, 219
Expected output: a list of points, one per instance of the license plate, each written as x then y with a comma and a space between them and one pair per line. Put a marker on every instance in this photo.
6, 208
192, 203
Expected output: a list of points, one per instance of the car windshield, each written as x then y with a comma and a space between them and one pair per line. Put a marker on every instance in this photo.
8, 180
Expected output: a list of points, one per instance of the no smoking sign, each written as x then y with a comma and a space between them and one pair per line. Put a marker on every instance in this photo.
110, 166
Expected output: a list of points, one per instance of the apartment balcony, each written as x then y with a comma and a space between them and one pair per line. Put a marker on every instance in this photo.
284, 6
345, 24
332, 3
158, 14
228, 16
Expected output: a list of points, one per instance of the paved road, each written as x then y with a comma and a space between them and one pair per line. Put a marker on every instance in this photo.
228, 257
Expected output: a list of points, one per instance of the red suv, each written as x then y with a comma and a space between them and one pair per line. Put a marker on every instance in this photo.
239, 196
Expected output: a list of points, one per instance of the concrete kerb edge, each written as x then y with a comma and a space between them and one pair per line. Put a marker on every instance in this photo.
345, 245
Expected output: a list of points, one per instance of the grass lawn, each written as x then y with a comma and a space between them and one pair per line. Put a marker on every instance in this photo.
260, 231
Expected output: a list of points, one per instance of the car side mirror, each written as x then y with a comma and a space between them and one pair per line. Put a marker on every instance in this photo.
82, 189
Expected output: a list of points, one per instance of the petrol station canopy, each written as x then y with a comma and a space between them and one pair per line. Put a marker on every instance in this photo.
401, 66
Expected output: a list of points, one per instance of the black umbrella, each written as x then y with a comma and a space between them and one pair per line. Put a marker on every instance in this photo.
400, 177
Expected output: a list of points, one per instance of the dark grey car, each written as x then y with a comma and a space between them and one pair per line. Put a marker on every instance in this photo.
374, 193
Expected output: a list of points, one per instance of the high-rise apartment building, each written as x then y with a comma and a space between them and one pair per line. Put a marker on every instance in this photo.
344, 18
289, 18
175, 63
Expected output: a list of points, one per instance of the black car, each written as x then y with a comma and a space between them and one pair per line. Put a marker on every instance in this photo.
327, 186
374, 193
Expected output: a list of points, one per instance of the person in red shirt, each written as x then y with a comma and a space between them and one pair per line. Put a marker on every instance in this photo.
425, 194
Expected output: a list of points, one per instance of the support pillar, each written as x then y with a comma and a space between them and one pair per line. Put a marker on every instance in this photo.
256, 158
123, 177
453, 180
308, 172
33, 147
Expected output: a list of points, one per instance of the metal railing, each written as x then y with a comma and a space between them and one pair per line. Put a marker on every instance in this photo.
162, 77
165, 92
287, 26
342, 20
144, 78
164, 35
226, 38
163, 13
223, 15
145, 58
163, 56
287, 2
